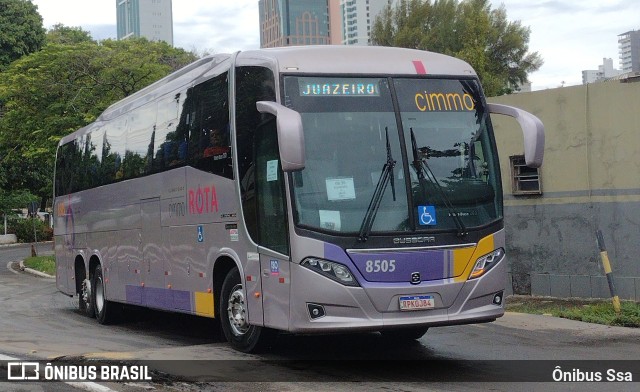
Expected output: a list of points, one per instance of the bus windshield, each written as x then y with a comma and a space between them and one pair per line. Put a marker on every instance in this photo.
442, 176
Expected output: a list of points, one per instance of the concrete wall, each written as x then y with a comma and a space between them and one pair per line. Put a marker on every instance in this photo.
590, 181
6, 239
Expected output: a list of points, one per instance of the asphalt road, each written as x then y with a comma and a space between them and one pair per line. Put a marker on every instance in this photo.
37, 322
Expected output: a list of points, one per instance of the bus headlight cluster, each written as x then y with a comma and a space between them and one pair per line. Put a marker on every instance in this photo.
486, 262
331, 270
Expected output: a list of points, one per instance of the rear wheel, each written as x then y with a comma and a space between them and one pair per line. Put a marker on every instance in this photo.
107, 312
404, 334
233, 318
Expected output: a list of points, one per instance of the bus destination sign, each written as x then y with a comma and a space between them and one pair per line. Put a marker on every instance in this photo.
339, 87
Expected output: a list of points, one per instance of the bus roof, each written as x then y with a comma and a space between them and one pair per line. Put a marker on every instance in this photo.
321, 59
340, 59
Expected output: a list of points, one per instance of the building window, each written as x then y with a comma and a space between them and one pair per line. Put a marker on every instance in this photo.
524, 180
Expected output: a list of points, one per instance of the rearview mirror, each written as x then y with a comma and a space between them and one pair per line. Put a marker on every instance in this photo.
532, 128
290, 135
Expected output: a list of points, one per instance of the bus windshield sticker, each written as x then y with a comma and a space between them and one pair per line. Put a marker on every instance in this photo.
339, 87
272, 170
341, 188
437, 95
444, 102
427, 215
330, 220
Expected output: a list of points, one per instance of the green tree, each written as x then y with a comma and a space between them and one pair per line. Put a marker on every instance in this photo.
21, 30
51, 93
65, 35
12, 200
470, 30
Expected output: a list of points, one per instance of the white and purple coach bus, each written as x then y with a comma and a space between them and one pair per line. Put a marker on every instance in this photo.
308, 190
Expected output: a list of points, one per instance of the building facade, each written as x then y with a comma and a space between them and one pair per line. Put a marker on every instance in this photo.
335, 22
589, 181
604, 72
293, 22
358, 17
629, 48
151, 19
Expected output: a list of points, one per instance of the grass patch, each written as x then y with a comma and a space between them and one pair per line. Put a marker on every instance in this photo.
590, 311
46, 264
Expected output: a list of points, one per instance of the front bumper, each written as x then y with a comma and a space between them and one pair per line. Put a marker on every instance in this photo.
375, 306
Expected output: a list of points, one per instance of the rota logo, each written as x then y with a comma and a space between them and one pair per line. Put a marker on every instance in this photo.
203, 200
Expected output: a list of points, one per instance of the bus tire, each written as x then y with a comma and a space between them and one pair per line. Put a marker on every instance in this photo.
107, 312
404, 334
242, 336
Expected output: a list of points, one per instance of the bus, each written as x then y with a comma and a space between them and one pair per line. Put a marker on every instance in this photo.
300, 189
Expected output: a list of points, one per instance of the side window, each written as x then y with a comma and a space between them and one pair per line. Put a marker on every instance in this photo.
270, 190
113, 150
92, 158
252, 84
71, 175
166, 135
66, 178
139, 141
210, 141
176, 143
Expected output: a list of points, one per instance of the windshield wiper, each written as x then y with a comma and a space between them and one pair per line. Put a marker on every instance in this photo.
385, 177
424, 172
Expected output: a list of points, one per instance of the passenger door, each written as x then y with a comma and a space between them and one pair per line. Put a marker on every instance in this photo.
272, 227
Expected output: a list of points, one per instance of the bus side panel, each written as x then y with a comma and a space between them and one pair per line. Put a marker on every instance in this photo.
276, 287
153, 268
65, 239
212, 218
179, 248
108, 248
64, 264
129, 265
253, 282
107, 225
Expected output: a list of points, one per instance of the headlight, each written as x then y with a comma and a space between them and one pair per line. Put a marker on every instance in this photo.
486, 262
331, 270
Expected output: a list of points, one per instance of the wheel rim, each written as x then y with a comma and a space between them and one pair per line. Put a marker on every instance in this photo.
86, 292
236, 311
99, 295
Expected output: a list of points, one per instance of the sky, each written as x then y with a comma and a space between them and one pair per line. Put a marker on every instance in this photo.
570, 35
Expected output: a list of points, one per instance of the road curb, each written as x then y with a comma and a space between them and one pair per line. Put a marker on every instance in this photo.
34, 272
19, 244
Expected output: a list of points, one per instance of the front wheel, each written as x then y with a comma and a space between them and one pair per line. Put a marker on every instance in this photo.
233, 317
107, 312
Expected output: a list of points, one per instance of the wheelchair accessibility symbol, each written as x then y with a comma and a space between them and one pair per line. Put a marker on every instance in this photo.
427, 215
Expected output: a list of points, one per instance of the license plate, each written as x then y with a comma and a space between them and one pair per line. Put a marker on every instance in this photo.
417, 302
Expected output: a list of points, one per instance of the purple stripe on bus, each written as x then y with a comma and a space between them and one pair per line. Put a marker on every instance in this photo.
181, 300
335, 253
133, 294
157, 298
398, 266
